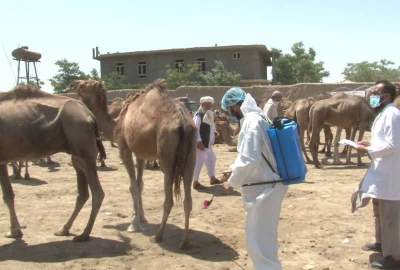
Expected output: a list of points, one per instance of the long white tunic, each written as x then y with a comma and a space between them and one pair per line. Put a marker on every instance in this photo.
271, 109
263, 202
206, 156
382, 180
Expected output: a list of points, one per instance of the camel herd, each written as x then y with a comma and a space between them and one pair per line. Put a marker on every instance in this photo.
149, 125
348, 112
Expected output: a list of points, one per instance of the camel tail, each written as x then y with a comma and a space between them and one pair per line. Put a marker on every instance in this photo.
99, 142
185, 145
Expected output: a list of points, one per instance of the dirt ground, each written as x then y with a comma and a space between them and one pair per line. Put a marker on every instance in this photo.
317, 230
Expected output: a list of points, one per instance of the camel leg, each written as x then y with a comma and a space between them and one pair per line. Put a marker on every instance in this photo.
314, 145
8, 197
168, 203
16, 170
353, 136
303, 147
83, 196
336, 159
27, 176
89, 169
187, 203
140, 170
126, 157
360, 137
328, 140
348, 137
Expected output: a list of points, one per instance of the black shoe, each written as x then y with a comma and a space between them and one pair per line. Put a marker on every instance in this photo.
386, 263
376, 247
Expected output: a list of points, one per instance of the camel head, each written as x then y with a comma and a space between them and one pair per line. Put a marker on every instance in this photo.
92, 93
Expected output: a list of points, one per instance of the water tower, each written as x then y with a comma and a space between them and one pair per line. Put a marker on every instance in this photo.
22, 54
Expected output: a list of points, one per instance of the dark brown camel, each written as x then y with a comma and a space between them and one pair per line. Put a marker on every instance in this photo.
34, 124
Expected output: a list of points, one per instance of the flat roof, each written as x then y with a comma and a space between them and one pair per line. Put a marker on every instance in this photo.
258, 47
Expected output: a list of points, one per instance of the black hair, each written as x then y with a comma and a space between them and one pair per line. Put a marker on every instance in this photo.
388, 88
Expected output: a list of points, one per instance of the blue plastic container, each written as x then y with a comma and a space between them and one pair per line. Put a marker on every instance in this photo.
284, 137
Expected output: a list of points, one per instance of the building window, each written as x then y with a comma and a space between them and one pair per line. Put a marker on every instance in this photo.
120, 69
142, 69
179, 65
201, 63
236, 56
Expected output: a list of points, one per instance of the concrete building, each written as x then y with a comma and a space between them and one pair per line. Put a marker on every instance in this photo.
142, 67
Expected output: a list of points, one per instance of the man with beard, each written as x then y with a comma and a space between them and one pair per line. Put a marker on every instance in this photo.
382, 182
261, 195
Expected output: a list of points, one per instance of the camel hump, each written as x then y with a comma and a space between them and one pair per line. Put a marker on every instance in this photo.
159, 84
24, 91
84, 86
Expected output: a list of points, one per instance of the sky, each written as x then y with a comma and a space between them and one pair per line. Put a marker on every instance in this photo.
340, 31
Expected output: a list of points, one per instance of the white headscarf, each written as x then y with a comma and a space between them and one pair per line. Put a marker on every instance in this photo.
207, 99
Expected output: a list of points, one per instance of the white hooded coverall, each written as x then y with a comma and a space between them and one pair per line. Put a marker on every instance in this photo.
262, 202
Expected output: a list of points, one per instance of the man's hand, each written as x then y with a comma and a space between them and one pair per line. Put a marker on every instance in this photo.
364, 143
227, 186
200, 146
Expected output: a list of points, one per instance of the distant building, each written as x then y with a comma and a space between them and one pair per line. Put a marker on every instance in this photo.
143, 67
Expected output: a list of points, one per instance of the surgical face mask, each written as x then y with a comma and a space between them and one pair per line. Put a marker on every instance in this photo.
375, 101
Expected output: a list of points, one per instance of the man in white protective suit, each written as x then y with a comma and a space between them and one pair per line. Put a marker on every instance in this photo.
250, 171
204, 121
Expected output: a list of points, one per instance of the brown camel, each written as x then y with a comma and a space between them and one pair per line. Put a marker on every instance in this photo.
299, 111
223, 128
115, 107
349, 112
93, 94
35, 124
152, 126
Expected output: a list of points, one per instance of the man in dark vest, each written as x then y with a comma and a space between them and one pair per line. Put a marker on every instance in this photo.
204, 121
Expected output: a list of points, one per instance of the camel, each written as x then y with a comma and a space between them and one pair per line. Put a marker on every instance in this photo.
348, 112
115, 107
223, 128
299, 111
35, 124
152, 126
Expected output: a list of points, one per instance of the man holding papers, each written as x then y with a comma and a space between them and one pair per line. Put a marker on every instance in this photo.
382, 180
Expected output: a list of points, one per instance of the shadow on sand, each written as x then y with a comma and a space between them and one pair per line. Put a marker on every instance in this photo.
31, 182
106, 169
65, 250
203, 246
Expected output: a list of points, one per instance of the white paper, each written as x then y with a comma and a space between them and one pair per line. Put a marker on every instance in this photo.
348, 142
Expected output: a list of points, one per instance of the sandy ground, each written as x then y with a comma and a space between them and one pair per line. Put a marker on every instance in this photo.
317, 230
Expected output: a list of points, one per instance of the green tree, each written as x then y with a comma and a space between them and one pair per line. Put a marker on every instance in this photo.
67, 72
372, 71
191, 75
115, 81
94, 74
218, 75
298, 67
188, 76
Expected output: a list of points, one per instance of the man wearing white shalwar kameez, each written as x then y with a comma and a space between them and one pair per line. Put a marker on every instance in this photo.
271, 107
382, 181
204, 121
261, 202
